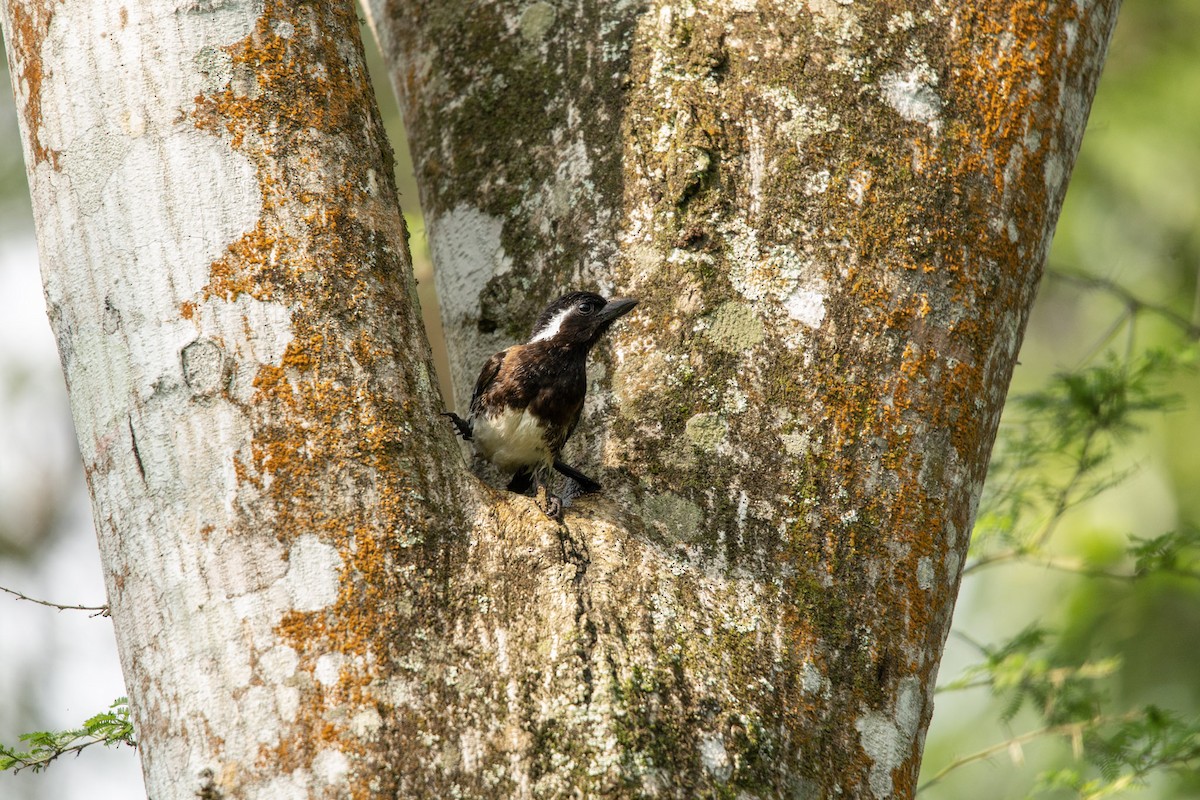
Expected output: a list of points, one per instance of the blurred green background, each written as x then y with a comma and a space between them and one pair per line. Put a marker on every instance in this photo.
1130, 218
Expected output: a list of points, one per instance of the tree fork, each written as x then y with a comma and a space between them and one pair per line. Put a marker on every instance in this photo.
835, 220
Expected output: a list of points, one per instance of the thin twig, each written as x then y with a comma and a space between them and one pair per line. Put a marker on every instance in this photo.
1105, 338
1074, 729
1074, 566
1131, 300
100, 611
39, 763
1063, 502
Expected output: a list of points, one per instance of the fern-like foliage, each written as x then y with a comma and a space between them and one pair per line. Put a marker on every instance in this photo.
40, 748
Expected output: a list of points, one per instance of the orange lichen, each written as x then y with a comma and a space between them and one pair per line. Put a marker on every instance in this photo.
29, 23
320, 418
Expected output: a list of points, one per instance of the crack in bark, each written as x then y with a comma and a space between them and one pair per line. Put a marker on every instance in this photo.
137, 455
576, 553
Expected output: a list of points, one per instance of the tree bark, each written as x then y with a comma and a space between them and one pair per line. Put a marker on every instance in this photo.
835, 218
227, 273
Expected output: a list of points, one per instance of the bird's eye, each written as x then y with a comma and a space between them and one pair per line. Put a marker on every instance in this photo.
586, 308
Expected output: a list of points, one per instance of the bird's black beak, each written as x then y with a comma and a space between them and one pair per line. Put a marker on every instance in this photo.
617, 307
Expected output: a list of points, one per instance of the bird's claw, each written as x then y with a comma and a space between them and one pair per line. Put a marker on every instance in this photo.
462, 427
550, 504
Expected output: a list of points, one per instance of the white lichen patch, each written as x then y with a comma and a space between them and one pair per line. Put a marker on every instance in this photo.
796, 121
215, 65
812, 682
925, 572
279, 663
816, 183
913, 95
331, 767
779, 280
254, 333
806, 306
735, 400
836, 18
714, 756
756, 162
888, 740
859, 184
293, 786
886, 746
908, 706
313, 572
774, 274
328, 668
797, 443
901, 22
741, 612
366, 722
1053, 172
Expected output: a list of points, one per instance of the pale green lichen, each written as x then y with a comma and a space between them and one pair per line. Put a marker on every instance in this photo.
536, 21
216, 65
705, 430
673, 515
735, 327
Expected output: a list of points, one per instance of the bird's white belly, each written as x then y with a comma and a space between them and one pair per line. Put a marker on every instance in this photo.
512, 439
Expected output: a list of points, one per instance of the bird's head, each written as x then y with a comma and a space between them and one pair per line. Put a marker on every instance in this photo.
579, 319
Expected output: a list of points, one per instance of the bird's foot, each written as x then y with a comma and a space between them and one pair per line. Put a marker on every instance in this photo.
550, 504
463, 428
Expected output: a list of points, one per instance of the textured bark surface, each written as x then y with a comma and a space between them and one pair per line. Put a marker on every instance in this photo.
227, 275
835, 215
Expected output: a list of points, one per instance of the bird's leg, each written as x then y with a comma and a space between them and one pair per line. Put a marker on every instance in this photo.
521, 482
524, 479
463, 427
547, 501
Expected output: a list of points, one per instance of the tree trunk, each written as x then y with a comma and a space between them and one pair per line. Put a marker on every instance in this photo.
228, 277
835, 216
835, 219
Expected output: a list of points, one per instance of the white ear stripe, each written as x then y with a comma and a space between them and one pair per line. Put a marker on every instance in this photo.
551, 328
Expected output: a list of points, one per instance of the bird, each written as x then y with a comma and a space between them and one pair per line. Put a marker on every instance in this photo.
529, 397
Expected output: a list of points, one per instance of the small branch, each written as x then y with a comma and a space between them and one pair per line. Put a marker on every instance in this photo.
993, 559
1073, 729
1074, 566
1063, 503
1131, 301
99, 611
39, 762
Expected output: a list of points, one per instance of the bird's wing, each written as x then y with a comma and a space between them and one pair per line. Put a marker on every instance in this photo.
574, 422
486, 376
